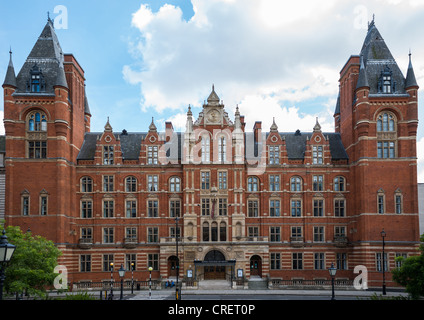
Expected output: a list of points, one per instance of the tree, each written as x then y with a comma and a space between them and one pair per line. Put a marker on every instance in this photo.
31, 269
411, 273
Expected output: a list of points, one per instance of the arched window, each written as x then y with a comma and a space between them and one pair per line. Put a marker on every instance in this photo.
386, 135
175, 184
86, 184
205, 149
339, 184
296, 184
131, 184
386, 122
37, 121
222, 146
252, 184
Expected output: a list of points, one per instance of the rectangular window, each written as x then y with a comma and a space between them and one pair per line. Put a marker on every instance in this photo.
86, 209
131, 208
222, 180
339, 208
274, 183
153, 261
205, 176
380, 204
341, 259
37, 149
174, 208
318, 183
152, 234
107, 208
130, 261
172, 233
274, 208
398, 204
275, 234
131, 233
107, 260
252, 208
152, 155
85, 262
222, 206
318, 234
296, 232
379, 261
385, 149
43, 205
108, 155
296, 208
152, 183
318, 208
319, 261
107, 235
152, 208
253, 232
87, 233
108, 183
275, 261
274, 155
317, 155
297, 261
205, 207
339, 231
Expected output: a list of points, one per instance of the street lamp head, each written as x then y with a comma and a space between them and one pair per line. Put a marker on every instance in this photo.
150, 269
332, 270
121, 271
6, 249
383, 233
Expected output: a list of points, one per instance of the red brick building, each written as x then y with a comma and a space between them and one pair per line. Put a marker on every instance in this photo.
267, 203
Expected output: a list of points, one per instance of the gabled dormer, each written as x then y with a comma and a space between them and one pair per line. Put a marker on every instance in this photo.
151, 147
275, 145
108, 148
317, 147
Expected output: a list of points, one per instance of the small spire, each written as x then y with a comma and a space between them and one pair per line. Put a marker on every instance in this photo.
10, 78
152, 127
108, 127
274, 127
362, 78
410, 80
317, 126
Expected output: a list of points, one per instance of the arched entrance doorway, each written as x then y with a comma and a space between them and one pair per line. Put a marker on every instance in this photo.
215, 265
172, 266
256, 266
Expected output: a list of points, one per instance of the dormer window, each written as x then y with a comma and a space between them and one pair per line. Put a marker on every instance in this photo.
36, 82
386, 83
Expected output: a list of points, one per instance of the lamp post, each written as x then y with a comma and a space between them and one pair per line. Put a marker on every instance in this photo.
121, 272
177, 295
332, 270
6, 253
111, 282
383, 235
150, 283
132, 277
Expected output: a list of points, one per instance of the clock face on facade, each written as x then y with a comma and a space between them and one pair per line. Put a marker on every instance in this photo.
213, 116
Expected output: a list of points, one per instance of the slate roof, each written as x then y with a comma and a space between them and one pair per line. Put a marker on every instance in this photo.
48, 56
10, 78
377, 56
131, 145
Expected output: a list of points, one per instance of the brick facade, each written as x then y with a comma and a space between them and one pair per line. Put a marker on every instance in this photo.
269, 203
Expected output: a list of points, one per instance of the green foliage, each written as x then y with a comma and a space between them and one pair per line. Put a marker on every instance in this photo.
31, 269
79, 296
411, 273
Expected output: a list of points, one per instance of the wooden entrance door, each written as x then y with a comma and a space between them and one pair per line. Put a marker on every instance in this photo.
214, 272
172, 266
256, 266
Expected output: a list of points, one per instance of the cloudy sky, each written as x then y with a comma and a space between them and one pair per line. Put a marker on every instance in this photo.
272, 58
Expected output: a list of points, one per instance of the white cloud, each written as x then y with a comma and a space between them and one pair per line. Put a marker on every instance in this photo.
268, 55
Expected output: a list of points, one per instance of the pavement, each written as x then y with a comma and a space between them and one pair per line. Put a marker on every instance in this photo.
169, 294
